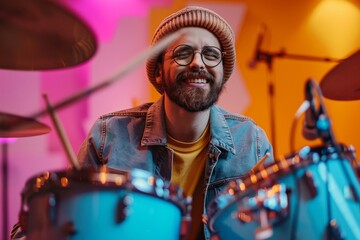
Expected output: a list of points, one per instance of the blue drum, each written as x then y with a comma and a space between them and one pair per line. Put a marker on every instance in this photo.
102, 205
312, 194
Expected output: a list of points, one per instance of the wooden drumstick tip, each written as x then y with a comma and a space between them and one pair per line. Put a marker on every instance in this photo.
259, 164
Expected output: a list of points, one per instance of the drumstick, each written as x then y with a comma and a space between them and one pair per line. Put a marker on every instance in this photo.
157, 48
63, 137
259, 164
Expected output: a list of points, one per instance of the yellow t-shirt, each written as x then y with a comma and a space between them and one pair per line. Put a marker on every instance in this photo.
188, 167
186, 171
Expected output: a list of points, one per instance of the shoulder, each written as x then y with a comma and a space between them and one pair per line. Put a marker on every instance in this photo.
242, 128
139, 111
231, 117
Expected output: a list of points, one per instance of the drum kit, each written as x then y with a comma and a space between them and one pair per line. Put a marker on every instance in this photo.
312, 193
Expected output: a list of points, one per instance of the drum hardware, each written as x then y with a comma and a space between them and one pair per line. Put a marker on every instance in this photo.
41, 35
51, 205
310, 184
61, 51
349, 152
186, 220
342, 81
267, 205
316, 115
122, 209
15, 126
37, 35
268, 57
71, 213
335, 231
68, 229
332, 190
333, 148
4, 184
11, 127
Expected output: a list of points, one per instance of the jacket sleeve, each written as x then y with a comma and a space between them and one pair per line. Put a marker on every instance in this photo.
89, 154
265, 147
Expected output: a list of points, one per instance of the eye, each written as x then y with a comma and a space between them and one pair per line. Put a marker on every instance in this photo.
182, 52
211, 53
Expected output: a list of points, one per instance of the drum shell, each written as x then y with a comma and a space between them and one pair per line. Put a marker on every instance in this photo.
88, 209
336, 197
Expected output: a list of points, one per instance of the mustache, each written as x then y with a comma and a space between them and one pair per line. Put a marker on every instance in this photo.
194, 75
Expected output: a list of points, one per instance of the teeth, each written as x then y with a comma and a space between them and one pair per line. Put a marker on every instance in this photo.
196, 81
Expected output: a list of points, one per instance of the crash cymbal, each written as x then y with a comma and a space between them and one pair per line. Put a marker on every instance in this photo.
41, 35
14, 126
343, 81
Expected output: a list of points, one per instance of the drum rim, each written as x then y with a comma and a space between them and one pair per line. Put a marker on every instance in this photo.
108, 178
290, 163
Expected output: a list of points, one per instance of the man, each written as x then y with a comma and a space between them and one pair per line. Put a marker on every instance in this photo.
183, 137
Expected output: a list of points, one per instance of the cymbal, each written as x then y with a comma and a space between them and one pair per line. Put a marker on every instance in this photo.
14, 126
343, 81
41, 35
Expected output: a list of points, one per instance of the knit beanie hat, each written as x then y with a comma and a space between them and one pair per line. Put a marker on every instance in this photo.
194, 16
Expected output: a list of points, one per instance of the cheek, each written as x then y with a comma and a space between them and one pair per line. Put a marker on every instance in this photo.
218, 72
171, 71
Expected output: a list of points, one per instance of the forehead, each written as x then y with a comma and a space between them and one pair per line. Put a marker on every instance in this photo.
197, 37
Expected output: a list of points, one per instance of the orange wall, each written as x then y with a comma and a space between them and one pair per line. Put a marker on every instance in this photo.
309, 28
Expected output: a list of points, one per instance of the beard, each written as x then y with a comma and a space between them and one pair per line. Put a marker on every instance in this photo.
193, 99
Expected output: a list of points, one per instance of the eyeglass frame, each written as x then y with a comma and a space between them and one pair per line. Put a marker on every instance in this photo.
193, 55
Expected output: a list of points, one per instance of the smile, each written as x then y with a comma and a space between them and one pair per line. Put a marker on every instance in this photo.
196, 81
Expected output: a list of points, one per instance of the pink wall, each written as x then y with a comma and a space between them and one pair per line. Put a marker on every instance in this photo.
121, 31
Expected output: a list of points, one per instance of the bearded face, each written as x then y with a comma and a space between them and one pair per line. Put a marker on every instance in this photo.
193, 90
191, 70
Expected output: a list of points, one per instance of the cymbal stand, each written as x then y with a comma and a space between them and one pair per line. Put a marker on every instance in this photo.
268, 58
4, 148
5, 210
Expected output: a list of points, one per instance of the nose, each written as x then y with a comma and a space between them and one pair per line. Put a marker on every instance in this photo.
197, 62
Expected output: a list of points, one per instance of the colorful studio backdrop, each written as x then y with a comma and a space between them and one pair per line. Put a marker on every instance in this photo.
270, 91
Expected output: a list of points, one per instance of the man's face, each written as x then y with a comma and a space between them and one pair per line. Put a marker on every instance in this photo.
196, 86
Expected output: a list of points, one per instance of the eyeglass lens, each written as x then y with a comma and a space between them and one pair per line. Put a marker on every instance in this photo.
184, 55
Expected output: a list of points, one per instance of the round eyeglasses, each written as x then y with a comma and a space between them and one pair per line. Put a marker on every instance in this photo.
211, 56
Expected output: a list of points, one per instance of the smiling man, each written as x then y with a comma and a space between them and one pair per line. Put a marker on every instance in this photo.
183, 138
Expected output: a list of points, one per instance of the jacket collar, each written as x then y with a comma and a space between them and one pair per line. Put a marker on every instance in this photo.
155, 127
220, 131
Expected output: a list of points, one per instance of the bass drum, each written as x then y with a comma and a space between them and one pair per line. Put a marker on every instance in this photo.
102, 205
311, 194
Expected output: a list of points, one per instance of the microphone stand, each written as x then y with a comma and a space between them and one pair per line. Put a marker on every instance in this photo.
268, 58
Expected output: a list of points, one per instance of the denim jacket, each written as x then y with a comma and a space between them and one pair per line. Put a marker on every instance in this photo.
136, 138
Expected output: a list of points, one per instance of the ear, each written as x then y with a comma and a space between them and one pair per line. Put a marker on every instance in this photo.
158, 73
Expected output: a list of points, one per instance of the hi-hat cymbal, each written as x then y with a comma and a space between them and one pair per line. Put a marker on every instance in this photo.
343, 81
41, 35
14, 126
